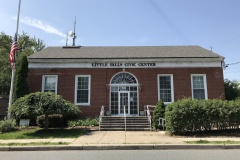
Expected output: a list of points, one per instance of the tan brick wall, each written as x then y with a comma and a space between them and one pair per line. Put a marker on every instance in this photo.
148, 94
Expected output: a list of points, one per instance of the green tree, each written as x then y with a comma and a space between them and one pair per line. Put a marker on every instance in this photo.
159, 112
5, 69
232, 89
42, 103
26, 46
20, 81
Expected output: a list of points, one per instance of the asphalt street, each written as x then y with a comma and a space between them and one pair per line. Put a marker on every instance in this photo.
125, 154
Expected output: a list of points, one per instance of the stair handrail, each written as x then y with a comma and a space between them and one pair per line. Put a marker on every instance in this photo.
125, 121
149, 115
100, 116
149, 106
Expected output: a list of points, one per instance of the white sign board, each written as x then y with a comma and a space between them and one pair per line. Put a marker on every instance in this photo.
24, 122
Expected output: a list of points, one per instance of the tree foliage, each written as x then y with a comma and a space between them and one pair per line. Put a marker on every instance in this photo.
20, 81
26, 46
42, 103
5, 69
232, 89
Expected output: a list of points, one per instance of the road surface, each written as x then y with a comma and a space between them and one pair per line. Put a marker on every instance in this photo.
233, 154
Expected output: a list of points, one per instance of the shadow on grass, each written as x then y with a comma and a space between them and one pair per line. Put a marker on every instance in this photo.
212, 142
56, 133
38, 133
213, 133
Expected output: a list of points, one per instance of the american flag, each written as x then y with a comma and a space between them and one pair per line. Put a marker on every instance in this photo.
12, 56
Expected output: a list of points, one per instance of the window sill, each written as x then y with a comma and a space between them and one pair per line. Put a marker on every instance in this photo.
82, 104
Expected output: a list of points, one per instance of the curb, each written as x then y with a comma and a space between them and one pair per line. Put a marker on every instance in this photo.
119, 147
43, 148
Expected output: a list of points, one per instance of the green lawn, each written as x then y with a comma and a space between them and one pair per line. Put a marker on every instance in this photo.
33, 144
39, 133
212, 142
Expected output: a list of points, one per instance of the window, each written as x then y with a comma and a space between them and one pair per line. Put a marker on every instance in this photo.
124, 78
165, 88
82, 89
199, 87
49, 83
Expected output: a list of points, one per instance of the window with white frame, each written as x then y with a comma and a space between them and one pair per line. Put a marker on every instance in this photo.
49, 83
82, 89
165, 88
199, 86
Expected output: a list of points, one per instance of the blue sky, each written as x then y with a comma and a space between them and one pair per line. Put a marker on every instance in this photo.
207, 23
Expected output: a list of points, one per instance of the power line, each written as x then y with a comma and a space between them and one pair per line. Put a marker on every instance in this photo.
231, 64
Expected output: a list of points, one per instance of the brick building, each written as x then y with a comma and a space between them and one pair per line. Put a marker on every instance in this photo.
3, 106
126, 76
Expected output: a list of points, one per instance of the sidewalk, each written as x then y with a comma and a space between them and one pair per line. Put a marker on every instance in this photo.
109, 140
128, 137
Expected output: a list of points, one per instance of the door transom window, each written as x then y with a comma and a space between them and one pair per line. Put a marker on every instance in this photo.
124, 78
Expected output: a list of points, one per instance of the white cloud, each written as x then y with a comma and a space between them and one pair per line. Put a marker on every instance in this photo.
41, 25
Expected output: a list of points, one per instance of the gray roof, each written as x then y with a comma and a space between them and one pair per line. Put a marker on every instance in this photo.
124, 52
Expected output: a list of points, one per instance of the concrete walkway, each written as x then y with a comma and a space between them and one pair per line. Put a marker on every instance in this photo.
128, 137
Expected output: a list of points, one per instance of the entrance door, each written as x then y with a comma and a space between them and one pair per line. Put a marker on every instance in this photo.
124, 92
124, 102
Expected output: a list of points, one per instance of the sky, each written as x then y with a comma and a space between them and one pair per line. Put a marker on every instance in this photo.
211, 24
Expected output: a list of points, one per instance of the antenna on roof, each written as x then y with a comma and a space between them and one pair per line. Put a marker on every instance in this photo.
72, 33
67, 39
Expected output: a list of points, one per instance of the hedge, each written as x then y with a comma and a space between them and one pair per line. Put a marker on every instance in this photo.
189, 115
158, 112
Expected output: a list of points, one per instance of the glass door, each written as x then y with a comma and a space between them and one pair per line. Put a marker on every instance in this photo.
124, 102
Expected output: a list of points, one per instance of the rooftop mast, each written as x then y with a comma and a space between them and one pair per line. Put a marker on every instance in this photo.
73, 34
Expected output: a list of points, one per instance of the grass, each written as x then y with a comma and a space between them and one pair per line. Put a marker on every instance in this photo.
212, 142
38, 133
212, 133
33, 144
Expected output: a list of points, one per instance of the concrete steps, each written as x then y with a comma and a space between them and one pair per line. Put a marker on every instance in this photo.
138, 123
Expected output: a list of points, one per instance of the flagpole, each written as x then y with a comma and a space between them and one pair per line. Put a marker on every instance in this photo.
13, 69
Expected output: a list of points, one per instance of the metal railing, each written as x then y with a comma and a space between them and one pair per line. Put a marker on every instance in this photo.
100, 116
125, 120
150, 107
148, 113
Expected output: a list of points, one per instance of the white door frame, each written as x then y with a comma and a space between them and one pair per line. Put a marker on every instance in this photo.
120, 100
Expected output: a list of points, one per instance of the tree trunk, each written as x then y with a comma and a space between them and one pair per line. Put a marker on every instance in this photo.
46, 122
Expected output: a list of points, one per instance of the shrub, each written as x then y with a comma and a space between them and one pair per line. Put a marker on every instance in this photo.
42, 103
177, 116
234, 119
7, 125
189, 115
84, 122
55, 121
159, 112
